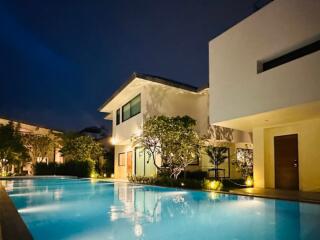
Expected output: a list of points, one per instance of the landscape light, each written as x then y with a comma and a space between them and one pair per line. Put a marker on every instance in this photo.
215, 185
249, 182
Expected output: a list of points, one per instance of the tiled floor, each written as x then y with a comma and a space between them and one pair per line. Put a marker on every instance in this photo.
312, 197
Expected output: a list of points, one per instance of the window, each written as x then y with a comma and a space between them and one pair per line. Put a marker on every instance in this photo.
132, 108
118, 117
121, 159
288, 57
126, 112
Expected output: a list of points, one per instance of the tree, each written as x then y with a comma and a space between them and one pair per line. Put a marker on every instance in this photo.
174, 139
218, 154
39, 146
81, 148
12, 149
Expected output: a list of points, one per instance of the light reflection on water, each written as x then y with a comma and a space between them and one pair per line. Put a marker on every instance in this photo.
84, 209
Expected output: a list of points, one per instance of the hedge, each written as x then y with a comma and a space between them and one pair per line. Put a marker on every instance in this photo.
70, 168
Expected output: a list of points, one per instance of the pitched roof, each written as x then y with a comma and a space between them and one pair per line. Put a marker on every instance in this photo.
155, 79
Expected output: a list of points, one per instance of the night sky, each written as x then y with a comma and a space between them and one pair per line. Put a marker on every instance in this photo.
61, 59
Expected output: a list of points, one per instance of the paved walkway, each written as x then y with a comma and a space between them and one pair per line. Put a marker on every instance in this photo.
311, 197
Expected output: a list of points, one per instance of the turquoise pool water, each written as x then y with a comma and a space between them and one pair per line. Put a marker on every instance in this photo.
84, 209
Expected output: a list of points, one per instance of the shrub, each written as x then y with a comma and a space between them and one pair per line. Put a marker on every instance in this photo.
76, 168
44, 169
197, 175
167, 182
234, 183
70, 168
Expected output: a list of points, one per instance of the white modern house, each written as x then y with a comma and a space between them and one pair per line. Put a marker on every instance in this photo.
143, 96
265, 79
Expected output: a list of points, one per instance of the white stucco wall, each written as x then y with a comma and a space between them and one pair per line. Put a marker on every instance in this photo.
158, 99
168, 101
123, 132
236, 89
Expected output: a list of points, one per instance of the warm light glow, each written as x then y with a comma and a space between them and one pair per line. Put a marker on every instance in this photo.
93, 174
113, 141
215, 185
249, 182
214, 196
112, 175
182, 184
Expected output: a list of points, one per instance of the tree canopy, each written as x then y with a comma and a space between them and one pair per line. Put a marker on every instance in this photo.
39, 146
174, 139
12, 149
81, 148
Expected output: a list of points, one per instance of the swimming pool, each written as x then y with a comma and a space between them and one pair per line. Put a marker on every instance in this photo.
86, 209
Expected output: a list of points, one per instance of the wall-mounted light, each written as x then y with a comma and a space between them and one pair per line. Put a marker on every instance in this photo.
113, 141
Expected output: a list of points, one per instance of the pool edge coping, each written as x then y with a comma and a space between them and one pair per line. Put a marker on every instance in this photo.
11, 223
310, 201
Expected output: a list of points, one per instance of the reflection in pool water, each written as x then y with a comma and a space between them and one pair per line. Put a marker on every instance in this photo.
84, 209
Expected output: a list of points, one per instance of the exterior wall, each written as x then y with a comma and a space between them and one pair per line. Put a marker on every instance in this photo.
121, 171
157, 100
236, 89
309, 154
172, 102
123, 132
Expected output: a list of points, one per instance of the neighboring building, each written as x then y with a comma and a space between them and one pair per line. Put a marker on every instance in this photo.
27, 128
143, 96
265, 79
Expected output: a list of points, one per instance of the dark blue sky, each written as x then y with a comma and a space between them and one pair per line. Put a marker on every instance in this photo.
61, 59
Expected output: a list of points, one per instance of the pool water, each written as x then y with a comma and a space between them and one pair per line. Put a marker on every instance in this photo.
86, 209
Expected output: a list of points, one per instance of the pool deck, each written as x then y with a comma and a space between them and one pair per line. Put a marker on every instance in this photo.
11, 224
309, 197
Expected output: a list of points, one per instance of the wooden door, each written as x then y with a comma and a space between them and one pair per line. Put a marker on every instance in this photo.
286, 162
129, 164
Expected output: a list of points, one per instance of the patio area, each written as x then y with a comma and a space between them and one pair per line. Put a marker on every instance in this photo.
310, 197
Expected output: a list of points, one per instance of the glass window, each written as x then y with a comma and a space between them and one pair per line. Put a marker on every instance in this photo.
118, 116
126, 112
135, 105
132, 108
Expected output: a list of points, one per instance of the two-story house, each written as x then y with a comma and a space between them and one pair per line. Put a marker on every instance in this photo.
28, 128
265, 79
143, 96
